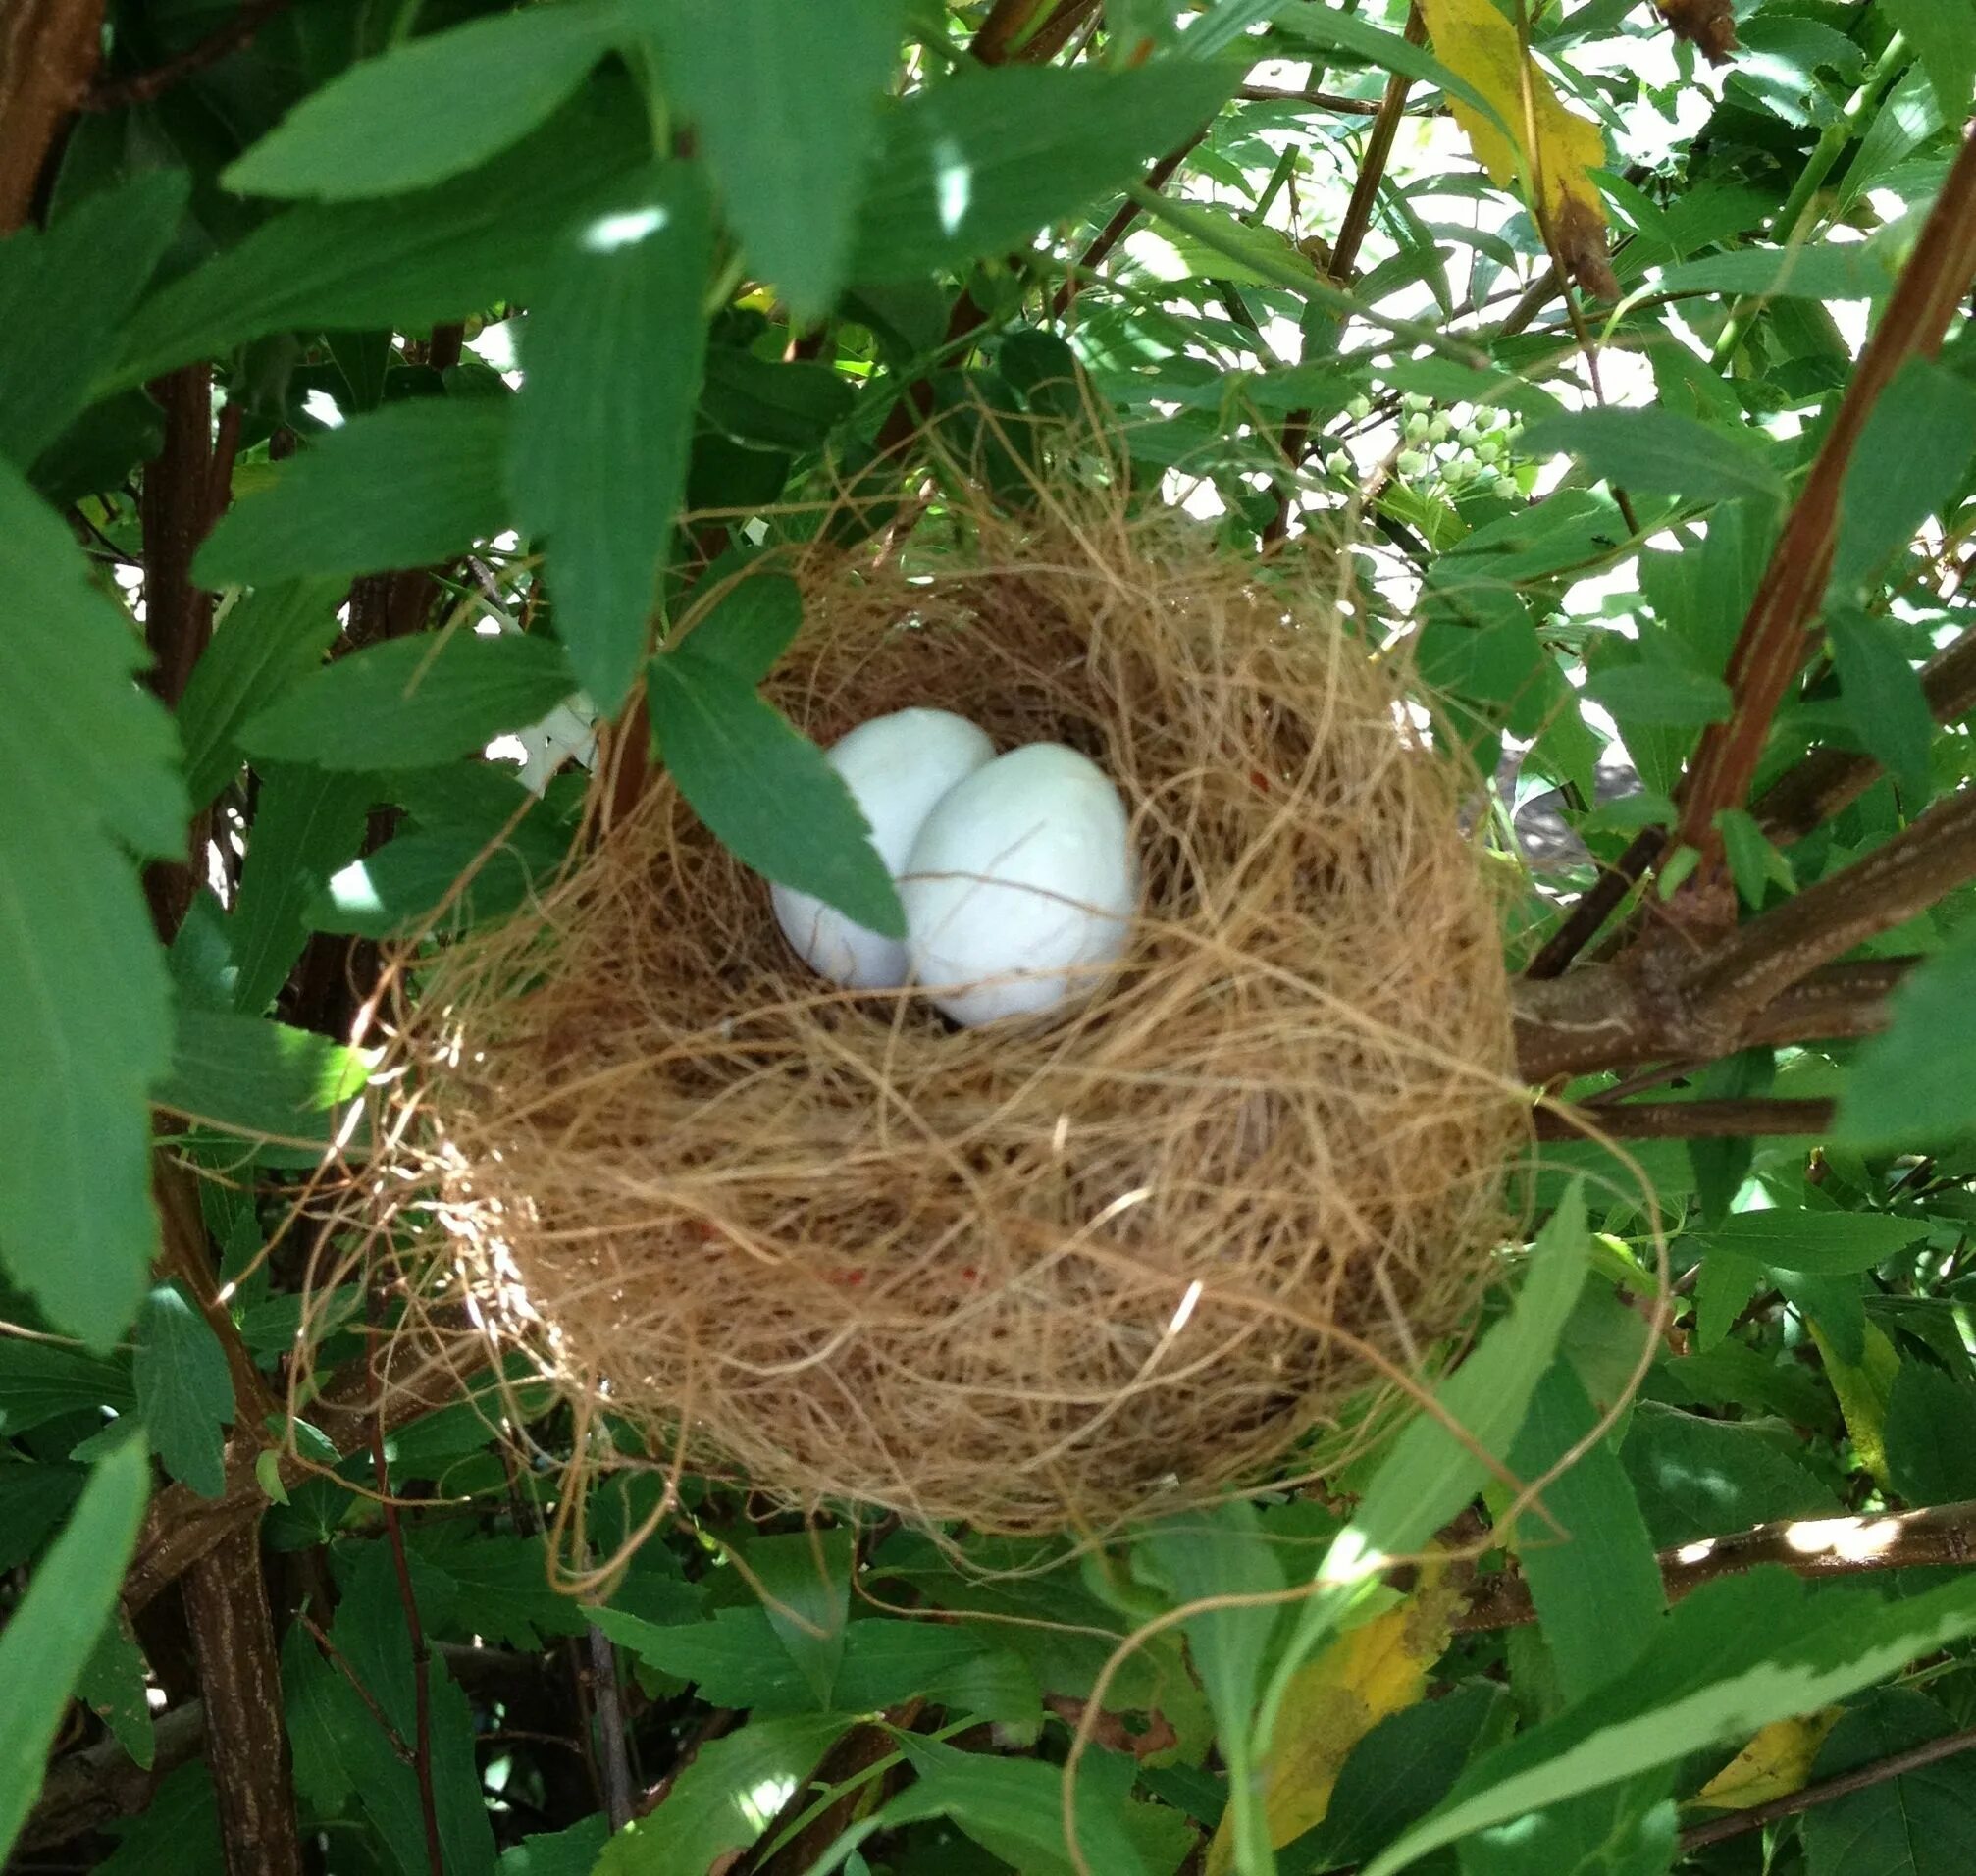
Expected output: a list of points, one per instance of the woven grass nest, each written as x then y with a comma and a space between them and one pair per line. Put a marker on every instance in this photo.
1031, 1276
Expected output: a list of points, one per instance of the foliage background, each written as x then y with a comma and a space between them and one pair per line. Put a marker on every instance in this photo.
358, 364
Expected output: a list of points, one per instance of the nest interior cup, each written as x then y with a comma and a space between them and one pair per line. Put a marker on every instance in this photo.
1027, 1276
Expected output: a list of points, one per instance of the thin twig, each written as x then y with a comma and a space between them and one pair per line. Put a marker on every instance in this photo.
611, 1753
1128, 212
140, 87
1861, 1778
1713, 1120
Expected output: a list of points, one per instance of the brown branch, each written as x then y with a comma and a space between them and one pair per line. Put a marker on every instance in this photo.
85, 1790
48, 50
1813, 1547
994, 42
422, 1714
1861, 1778
1779, 635
855, 1752
614, 1761
1755, 963
225, 1600
1685, 1119
140, 87
1595, 906
1352, 233
1321, 100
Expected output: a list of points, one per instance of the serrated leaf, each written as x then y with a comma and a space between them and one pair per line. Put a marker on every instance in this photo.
178, 1834
401, 486
975, 164
1909, 1087
566, 1852
1660, 695
1659, 452
1910, 459
1943, 33
307, 823
65, 292
1591, 1562
1736, 1655
1883, 697
86, 1019
452, 99
41, 1380
253, 1075
751, 625
412, 701
804, 1580
765, 791
1920, 1823
613, 353
266, 642
733, 66
185, 1392
709, 1808
1818, 1243
112, 1685
1696, 1477
54, 1627
402, 262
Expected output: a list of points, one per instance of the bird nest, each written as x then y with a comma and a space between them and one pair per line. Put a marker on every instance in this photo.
1025, 1276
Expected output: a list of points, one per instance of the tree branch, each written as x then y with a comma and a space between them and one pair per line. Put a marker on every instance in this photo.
239, 1680
140, 87
1778, 635
48, 49
1813, 1547
1861, 1778
1685, 1119
85, 1789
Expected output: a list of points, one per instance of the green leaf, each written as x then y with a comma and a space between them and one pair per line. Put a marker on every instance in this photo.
265, 641
711, 1809
53, 1629
782, 405
804, 1580
613, 352
1835, 269
255, 1076
1698, 1478
1332, 26
751, 625
503, 1586
65, 294
306, 825
413, 700
786, 103
35, 1497
85, 1018
1883, 698
1944, 34
185, 1393
1931, 1436
1659, 452
451, 100
1922, 1823
41, 1380
402, 487
178, 1834
566, 1852
1431, 1474
1597, 1587
1625, 1829
1909, 461
1910, 1086
1736, 1655
401, 888
1726, 1287
1660, 695
373, 1639
402, 262
1398, 1773
1012, 1807
112, 1686
977, 162
765, 791
1818, 1243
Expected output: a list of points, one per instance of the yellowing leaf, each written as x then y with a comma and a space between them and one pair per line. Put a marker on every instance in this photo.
1774, 1764
1863, 1389
1479, 43
1333, 1701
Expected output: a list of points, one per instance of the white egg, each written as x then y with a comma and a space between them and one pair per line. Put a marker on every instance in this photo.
1020, 886
897, 767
